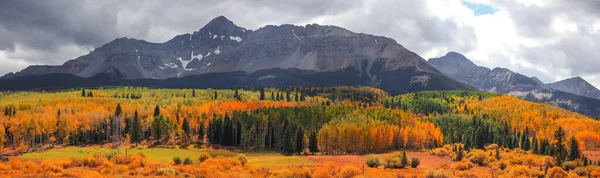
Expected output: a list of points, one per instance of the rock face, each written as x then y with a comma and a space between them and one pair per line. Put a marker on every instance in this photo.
501, 80
221, 46
576, 85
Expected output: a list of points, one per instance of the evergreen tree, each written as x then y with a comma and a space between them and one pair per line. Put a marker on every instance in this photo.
185, 126
193, 93
299, 140
535, 146
262, 93
83, 92
273, 96
498, 153
559, 146
312, 143
215, 98
574, 152
136, 129
525, 143
201, 133
127, 129
236, 95
118, 110
286, 143
459, 154
156, 111
404, 160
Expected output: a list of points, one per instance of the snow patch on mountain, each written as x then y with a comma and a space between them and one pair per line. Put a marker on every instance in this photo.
169, 65
295, 34
218, 50
235, 38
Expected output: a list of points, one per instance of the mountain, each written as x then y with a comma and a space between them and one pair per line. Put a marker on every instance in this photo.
221, 47
571, 94
576, 85
537, 80
501, 80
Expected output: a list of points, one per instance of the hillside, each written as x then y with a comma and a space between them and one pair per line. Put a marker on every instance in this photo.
138, 131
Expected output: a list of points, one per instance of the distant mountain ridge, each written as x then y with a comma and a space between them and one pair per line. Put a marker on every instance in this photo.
576, 85
574, 94
223, 47
501, 80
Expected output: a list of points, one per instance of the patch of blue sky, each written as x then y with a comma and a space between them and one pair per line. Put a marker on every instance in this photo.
480, 9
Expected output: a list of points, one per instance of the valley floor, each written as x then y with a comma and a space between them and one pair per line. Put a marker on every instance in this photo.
270, 160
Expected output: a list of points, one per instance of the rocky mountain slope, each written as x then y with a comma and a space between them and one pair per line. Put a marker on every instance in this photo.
221, 46
501, 80
576, 85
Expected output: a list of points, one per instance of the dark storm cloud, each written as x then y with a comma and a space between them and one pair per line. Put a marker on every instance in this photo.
45, 25
53, 31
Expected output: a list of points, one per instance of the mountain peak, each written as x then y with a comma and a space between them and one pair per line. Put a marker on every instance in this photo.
578, 78
537, 80
220, 20
576, 85
575, 80
453, 59
220, 23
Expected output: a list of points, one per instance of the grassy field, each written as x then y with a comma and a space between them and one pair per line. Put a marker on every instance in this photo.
167, 154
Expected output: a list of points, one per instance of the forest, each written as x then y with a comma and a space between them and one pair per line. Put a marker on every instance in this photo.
473, 130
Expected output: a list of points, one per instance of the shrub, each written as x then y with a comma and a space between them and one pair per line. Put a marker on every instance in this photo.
438, 173
462, 165
414, 162
176, 160
91, 161
242, 158
221, 164
581, 171
502, 165
556, 172
300, 172
187, 161
595, 174
519, 171
439, 152
570, 165
391, 163
491, 147
348, 172
373, 161
478, 157
121, 159
110, 155
321, 172
397, 161
203, 157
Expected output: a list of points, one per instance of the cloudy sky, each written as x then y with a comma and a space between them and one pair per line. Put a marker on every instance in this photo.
550, 39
